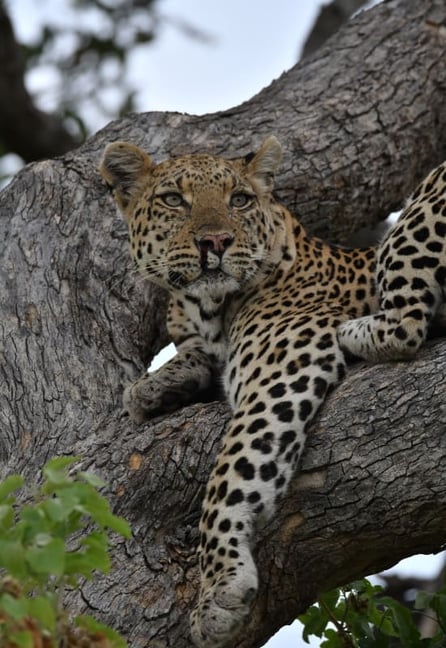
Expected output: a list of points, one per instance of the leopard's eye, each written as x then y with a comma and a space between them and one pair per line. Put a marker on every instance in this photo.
240, 199
172, 199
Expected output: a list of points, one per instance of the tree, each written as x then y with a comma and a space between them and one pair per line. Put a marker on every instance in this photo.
89, 60
91, 63
362, 121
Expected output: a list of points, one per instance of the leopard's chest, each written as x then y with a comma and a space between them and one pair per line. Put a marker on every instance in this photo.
206, 317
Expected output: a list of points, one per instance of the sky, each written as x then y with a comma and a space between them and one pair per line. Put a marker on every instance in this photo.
249, 44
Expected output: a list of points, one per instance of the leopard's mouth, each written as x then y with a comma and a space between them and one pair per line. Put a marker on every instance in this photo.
205, 275
214, 282
213, 274
198, 279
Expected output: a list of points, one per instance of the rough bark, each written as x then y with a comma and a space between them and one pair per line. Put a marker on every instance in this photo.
361, 123
330, 18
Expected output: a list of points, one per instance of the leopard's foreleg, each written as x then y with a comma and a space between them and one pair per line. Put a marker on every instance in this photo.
261, 450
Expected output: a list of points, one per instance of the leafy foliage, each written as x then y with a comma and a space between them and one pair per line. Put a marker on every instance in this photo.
47, 545
360, 616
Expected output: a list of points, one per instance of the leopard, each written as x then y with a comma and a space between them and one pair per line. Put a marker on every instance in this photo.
270, 313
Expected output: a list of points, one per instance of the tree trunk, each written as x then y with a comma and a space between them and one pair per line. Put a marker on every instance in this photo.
361, 124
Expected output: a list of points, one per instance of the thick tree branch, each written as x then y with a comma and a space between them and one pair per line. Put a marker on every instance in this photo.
329, 20
361, 124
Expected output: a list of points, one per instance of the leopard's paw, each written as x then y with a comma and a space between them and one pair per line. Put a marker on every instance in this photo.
142, 399
354, 336
158, 392
222, 609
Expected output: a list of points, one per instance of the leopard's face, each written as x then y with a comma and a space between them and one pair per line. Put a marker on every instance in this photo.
197, 223
200, 223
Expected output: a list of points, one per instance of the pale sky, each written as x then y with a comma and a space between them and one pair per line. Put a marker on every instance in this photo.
251, 44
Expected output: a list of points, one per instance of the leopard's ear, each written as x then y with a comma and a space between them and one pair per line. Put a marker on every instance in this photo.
125, 168
263, 164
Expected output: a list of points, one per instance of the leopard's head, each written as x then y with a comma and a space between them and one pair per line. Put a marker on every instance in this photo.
198, 223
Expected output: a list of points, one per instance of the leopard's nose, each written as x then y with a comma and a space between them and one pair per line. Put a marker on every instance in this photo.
216, 243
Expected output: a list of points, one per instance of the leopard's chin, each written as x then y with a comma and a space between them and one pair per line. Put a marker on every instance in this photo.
214, 283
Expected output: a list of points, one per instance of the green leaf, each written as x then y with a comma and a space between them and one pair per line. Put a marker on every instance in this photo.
22, 639
76, 564
333, 640
119, 525
438, 605
35, 522
59, 464
93, 556
404, 623
382, 619
16, 608
99, 509
92, 479
364, 586
12, 558
96, 551
41, 609
55, 472
59, 509
314, 621
6, 517
47, 558
9, 485
330, 598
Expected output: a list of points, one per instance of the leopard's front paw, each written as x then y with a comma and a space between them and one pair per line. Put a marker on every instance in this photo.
222, 609
142, 399
156, 393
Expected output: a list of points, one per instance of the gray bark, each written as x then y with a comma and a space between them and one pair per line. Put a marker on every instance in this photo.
330, 18
361, 124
